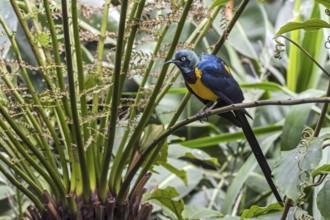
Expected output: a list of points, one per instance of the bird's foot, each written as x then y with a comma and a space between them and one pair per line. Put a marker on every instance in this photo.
206, 110
203, 113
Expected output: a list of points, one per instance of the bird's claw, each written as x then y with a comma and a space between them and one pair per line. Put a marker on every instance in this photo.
204, 113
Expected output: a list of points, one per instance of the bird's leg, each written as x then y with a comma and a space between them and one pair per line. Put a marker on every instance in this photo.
205, 111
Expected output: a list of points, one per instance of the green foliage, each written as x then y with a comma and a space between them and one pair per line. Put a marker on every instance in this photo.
324, 169
293, 169
255, 211
84, 109
322, 199
309, 25
218, 3
323, 2
166, 198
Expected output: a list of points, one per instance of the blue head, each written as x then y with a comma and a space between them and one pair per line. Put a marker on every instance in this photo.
185, 60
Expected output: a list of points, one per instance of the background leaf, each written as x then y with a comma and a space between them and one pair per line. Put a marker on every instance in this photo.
255, 211
288, 176
166, 198
312, 24
323, 199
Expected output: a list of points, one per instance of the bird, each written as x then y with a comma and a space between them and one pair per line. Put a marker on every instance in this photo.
209, 78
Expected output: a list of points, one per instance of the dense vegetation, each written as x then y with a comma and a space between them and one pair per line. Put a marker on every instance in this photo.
93, 125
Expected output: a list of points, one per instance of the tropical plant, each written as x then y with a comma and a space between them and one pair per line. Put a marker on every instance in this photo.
89, 111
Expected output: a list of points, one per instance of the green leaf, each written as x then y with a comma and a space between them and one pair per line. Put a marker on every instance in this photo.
165, 198
290, 169
294, 124
149, 134
324, 169
312, 24
222, 138
10, 19
217, 3
203, 157
193, 212
256, 210
323, 200
326, 3
248, 167
181, 90
268, 86
182, 174
163, 177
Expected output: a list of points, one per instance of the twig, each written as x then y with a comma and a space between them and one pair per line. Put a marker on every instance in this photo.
322, 115
189, 120
230, 27
305, 52
286, 208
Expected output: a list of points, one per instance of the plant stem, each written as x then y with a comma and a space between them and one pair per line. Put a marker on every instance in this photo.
322, 115
95, 105
54, 181
189, 120
36, 50
132, 144
56, 56
38, 191
201, 30
115, 102
305, 52
73, 102
23, 189
83, 104
231, 24
128, 52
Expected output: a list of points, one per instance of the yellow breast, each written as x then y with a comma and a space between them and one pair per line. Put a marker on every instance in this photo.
200, 89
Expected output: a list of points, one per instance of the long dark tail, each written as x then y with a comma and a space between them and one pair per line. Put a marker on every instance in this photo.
257, 152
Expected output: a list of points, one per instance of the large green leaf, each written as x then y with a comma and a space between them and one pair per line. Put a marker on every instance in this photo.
163, 177
294, 124
256, 210
312, 24
149, 134
223, 138
267, 86
324, 169
250, 164
182, 174
326, 3
296, 119
193, 212
323, 200
217, 3
8, 15
165, 198
290, 170
317, 51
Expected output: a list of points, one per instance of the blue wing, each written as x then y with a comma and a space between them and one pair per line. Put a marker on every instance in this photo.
216, 77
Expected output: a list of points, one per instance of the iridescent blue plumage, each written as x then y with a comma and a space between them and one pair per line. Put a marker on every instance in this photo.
216, 76
208, 77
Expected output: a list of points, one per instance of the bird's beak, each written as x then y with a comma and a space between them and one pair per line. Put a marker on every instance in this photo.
171, 61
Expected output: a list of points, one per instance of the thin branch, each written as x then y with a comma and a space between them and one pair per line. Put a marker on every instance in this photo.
305, 52
287, 206
132, 145
322, 115
189, 120
115, 102
230, 27
73, 101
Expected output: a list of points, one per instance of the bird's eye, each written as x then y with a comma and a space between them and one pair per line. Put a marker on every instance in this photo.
183, 58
